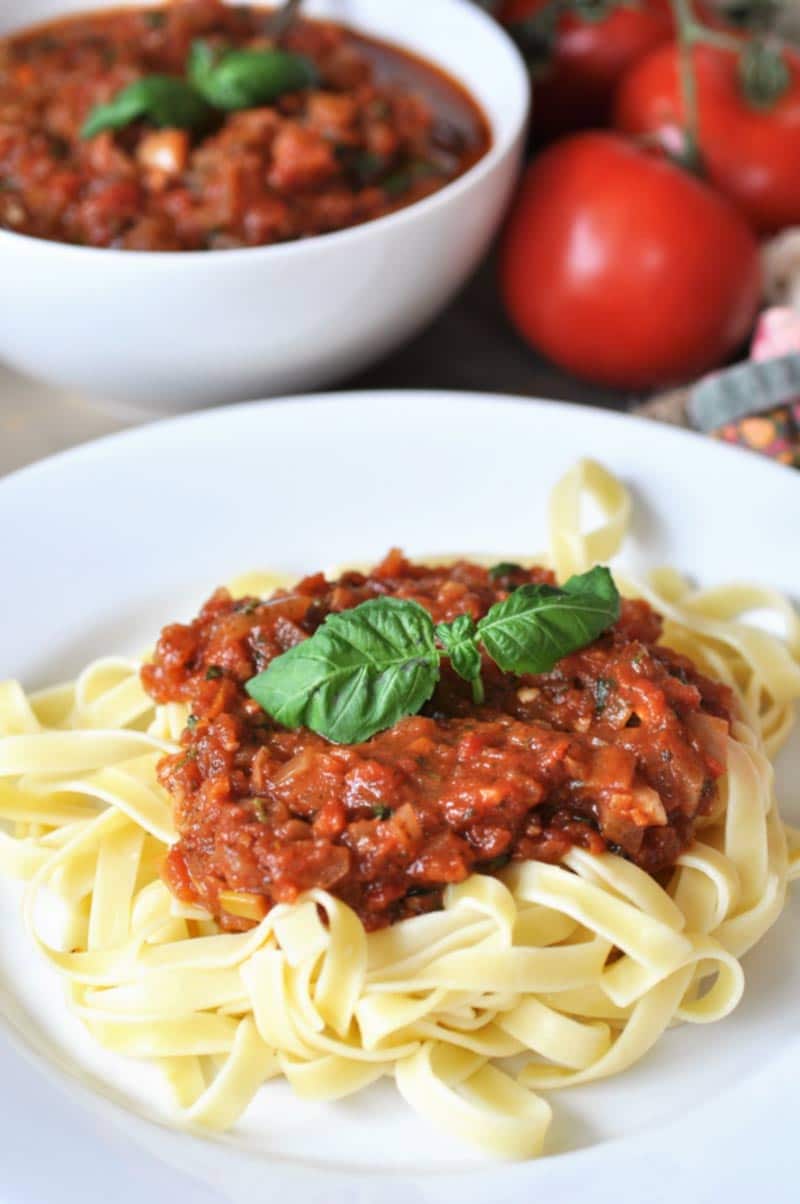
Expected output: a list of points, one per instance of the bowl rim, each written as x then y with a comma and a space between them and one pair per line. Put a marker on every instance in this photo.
485, 166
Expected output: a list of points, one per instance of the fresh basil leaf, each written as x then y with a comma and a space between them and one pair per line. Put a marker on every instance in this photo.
597, 581
537, 625
161, 99
362, 671
244, 79
203, 58
460, 641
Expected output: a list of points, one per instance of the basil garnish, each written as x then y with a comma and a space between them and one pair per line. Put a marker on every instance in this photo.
161, 99
366, 668
244, 79
538, 624
459, 640
221, 80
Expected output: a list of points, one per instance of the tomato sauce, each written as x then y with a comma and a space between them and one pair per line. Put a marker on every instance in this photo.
619, 747
382, 130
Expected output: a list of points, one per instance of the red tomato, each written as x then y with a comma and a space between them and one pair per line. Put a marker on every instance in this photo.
751, 153
577, 89
623, 268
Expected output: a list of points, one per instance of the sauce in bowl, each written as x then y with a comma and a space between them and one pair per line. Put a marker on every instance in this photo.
377, 130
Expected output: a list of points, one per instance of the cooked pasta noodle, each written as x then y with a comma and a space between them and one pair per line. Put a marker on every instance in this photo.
575, 969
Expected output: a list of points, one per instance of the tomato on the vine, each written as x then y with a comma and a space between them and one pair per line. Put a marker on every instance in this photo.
625, 269
591, 53
750, 143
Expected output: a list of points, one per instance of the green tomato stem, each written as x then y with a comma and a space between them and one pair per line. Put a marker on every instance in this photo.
714, 37
763, 74
686, 28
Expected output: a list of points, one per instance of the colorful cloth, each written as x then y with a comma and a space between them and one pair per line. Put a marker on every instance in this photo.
775, 433
757, 404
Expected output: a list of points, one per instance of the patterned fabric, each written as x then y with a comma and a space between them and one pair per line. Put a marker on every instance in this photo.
755, 404
775, 433
761, 400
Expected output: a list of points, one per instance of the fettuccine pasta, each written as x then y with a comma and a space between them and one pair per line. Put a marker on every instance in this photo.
573, 970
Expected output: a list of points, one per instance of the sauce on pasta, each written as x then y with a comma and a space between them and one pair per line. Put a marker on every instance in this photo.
618, 748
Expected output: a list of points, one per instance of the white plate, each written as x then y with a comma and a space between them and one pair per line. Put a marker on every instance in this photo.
102, 545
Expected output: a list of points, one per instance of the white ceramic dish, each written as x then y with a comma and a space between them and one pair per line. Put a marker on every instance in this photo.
104, 544
175, 330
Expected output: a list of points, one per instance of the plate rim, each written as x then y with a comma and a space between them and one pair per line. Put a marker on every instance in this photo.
453, 397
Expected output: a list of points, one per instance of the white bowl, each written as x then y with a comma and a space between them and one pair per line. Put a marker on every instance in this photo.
174, 330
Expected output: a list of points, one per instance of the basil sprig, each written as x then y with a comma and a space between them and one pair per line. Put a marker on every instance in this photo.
220, 80
459, 640
244, 79
366, 668
162, 99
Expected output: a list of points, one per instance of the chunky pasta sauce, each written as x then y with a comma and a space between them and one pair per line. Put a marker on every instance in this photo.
377, 130
619, 747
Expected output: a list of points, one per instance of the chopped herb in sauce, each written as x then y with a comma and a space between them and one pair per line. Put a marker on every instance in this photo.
495, 865
365, 166
603, 687
259, 809
505, 569
213, 672
236, 100
403, 180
